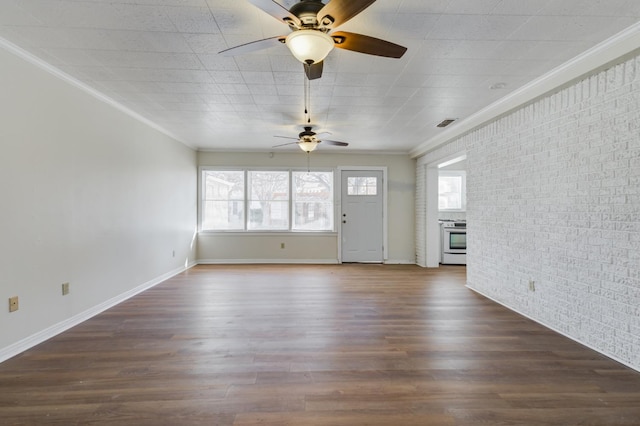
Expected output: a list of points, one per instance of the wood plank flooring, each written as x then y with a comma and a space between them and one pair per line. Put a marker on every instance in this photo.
314, 345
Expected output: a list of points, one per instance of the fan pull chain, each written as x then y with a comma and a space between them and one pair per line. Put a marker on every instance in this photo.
304, 82
308, 162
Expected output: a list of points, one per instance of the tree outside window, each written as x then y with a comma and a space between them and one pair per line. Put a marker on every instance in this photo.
313, 201
267, 200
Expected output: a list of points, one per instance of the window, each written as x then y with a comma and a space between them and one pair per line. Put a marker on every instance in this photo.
452, 191
362, 185
223, 200
313, 201
267, 200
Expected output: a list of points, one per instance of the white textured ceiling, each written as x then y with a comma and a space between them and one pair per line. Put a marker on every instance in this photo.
159, 59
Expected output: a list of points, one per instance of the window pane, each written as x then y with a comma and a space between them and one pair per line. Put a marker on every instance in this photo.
223, 200
449, 192
313, 201
268, 201
362, 185
223, 215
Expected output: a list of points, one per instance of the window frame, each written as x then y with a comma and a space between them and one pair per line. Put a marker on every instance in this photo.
290, 210
202, 200
463, 189
250, 178
294, 200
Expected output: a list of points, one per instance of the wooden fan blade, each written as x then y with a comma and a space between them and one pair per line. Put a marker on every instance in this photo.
336, 143
313, 71
253, 46
286, 137
366, 44
283, 144
337, 12
322, 134
278, 11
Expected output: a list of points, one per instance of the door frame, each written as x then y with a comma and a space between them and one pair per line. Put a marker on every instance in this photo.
431, 237
385, 188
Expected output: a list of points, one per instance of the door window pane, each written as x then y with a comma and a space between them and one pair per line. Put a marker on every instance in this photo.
312, 201
362, 185
268, 200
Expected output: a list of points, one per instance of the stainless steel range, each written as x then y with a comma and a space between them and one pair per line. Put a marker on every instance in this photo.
454, 243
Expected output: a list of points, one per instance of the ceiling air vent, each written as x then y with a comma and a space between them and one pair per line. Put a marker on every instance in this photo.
446, 122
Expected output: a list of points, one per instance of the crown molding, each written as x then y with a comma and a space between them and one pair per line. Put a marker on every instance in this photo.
332, 151
34, 60
601, 55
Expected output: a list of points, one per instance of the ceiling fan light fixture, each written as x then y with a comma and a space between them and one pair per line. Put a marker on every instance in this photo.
308, 146
309, 46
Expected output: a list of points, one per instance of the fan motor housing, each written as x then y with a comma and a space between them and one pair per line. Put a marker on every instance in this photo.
307, 133
307, 11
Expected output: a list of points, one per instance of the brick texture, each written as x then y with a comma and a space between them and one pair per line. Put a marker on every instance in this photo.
421, 206
553, 196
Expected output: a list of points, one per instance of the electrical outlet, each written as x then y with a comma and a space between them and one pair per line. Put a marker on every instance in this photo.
65, 289
13, 304
281, 245
532, 285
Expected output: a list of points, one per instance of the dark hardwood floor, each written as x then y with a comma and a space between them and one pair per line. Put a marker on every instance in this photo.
314, 345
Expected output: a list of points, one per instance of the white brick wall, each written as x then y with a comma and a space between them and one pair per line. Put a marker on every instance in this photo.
421, 208
554, 196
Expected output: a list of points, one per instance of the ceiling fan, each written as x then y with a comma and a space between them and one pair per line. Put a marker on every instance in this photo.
312, 38
308, 140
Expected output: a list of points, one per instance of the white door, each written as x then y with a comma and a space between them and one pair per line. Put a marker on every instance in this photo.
361, 217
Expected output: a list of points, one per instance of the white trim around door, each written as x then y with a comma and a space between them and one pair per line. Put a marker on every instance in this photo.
385, 190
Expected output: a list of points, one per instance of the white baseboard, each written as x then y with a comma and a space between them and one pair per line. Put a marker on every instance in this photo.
52, 331
266, 261
39, 337
291, 261
542, 323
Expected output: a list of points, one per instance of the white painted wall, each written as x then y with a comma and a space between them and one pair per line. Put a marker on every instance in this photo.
89, 196
323, 248
554, 196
